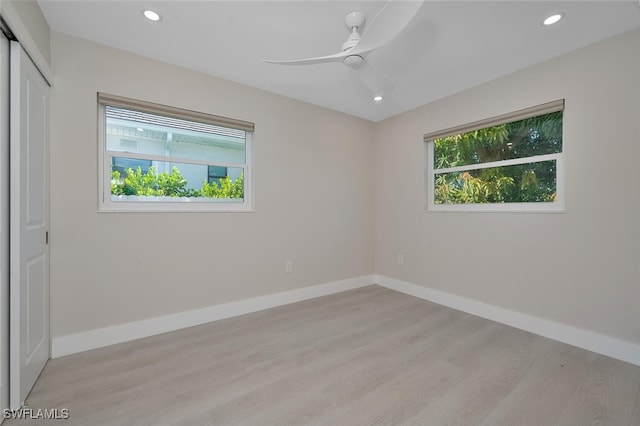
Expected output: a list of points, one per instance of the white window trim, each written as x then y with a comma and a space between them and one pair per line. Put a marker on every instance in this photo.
106, 204
557, 206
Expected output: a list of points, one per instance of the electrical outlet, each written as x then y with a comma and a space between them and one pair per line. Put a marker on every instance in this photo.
401, 259
288, 266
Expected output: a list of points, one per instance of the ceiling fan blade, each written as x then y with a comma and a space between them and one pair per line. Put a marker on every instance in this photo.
336, 57
374, 79
392, 18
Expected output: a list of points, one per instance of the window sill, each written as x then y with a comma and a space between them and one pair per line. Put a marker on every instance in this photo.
497, 208
174, 204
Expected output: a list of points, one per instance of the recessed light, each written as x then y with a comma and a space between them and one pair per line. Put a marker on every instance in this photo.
151, 15
553, 19
377, 98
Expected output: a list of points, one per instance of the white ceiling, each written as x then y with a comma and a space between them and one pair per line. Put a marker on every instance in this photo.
449, 45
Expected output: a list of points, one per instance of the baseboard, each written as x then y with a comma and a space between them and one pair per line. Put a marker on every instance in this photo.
599, 343
93, 339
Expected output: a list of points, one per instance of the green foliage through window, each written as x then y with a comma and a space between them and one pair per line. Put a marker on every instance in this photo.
499, 164
172, 184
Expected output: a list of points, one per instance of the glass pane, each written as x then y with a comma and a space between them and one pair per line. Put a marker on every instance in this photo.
524, 138
142, 133
144, 180
523, 183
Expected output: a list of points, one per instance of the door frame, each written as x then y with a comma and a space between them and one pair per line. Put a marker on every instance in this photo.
29, 226
15, 29
4, 221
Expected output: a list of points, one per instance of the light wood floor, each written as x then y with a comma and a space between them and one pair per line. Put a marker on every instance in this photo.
370, 356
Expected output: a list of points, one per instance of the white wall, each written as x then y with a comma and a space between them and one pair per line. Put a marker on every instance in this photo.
313, 199
579, 268
27, 23
32, 19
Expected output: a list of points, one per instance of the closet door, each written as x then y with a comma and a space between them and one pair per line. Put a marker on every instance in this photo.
29, 225
4, 221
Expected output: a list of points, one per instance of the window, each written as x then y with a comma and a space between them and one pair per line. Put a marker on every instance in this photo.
159, 158
509, 163
216, 173
121, 164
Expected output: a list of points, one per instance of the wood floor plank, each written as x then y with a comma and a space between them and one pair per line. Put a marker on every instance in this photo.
363, 357
554, 375
609, 393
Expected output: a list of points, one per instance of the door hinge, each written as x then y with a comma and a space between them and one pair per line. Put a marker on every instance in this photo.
46, 237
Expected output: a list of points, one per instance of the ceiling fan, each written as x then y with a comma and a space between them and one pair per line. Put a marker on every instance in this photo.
390, 20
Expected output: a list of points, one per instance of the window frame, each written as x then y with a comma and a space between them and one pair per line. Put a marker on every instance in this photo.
557, 206
106, 204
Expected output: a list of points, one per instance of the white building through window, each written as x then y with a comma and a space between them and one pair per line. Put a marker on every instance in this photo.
160, 158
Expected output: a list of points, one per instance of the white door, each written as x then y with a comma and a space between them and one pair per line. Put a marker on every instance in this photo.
29, 224
4, 221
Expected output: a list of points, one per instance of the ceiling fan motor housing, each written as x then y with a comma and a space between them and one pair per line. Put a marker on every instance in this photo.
353, 61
